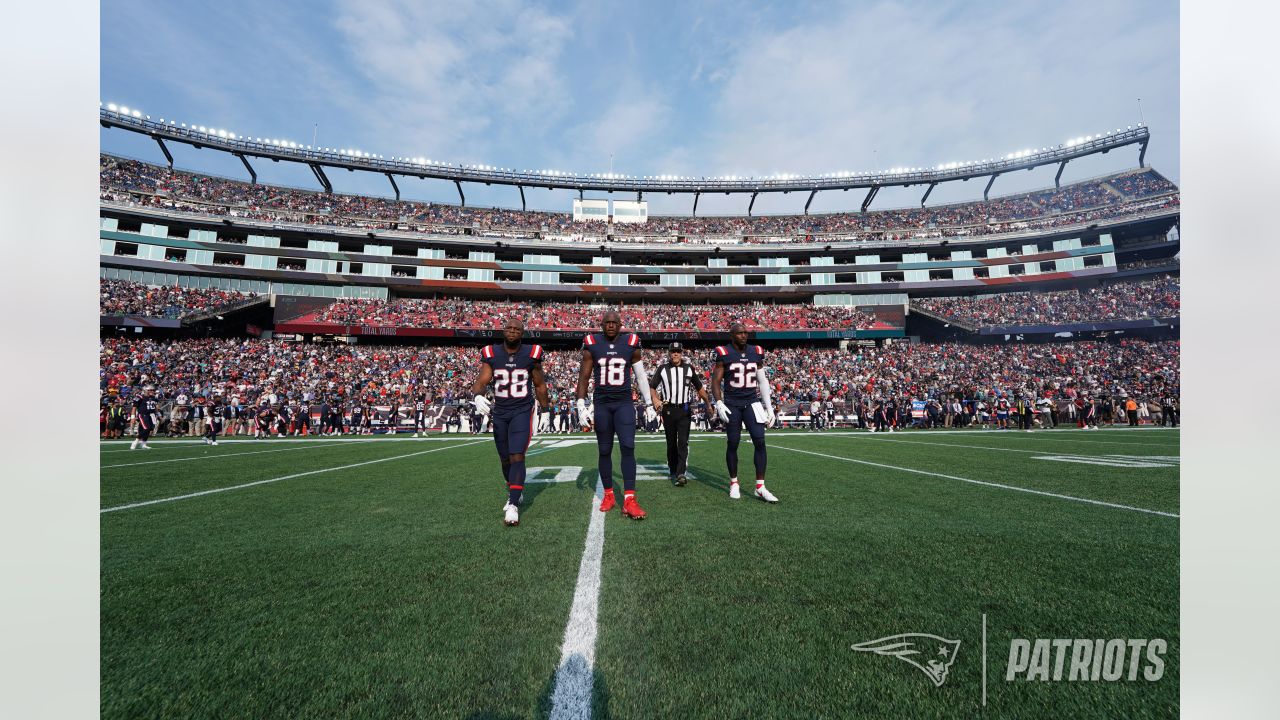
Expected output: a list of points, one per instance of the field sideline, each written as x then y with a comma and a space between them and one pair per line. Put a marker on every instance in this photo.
372, 577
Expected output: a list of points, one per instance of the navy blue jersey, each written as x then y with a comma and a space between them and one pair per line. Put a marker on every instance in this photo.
146, 407
741, 386
612, 376
512, 376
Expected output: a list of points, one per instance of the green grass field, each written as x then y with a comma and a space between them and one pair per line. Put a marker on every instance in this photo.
374, 578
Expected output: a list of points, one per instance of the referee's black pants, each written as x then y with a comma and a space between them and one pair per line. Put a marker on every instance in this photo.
675, 423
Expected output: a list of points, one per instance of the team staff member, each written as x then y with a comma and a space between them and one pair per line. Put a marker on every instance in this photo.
1131, 411
116, 419
673, 386
1026, 411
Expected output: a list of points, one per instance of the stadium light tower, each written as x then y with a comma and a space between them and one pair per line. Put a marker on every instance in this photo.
132, 120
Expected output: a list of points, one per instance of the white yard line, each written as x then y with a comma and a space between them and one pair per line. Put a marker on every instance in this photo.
884, 437
1011, 434
283, 477
238, 439
224, 455
982, 482
575, 677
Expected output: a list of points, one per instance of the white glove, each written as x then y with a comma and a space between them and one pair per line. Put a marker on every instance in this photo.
722, 411
584, 418
650, 414
482, 405
769, 417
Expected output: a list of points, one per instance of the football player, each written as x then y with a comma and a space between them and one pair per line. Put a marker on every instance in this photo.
283, 418
357, 417
420, 416
145, 410
512, 367
214, 418
743, 397
609, 360
262, 428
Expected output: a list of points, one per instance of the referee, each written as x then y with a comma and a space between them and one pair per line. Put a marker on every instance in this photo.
673, 386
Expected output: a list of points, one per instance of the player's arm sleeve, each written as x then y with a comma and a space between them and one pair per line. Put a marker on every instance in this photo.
766, 391
642, 380
541, 393
584, 374
485, 376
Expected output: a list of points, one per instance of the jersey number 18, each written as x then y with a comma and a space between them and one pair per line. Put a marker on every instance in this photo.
613, 372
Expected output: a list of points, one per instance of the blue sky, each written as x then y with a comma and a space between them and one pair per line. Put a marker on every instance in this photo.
720, 87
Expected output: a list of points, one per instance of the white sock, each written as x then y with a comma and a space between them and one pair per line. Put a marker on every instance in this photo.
733, 481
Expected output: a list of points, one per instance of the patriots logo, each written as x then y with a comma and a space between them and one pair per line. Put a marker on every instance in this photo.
933, 655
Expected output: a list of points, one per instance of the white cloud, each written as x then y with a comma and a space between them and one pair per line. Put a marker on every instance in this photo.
927, 83
449, 79
628, 129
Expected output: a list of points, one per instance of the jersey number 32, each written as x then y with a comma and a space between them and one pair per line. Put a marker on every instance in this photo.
743, 375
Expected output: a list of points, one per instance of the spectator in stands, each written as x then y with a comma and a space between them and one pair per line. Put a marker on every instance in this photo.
136, 183
876, 377
1154, 298
120, 297
487, 314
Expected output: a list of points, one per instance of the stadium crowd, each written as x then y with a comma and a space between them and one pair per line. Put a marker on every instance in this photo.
242, 372
1154, 298
485, 314
121, 297
131, 181
1149, 263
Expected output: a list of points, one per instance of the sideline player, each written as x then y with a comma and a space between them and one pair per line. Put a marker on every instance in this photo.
609, 358
511, 366
145, 410
214, 419
743, 396
420, 415
263, 426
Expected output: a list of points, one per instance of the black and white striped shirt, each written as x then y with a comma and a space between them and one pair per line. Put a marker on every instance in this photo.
676, 384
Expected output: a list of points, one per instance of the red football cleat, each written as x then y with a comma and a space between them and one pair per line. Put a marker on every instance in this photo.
631, 509
607, 503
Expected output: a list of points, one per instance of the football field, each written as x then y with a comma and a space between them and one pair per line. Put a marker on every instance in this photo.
373, 577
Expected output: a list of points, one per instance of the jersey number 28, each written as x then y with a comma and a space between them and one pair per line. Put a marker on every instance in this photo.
510, 383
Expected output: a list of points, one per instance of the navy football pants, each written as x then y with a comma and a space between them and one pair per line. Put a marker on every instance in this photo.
616, 417
738, 416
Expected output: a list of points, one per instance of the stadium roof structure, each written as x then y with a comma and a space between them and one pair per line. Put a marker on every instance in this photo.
318, 159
